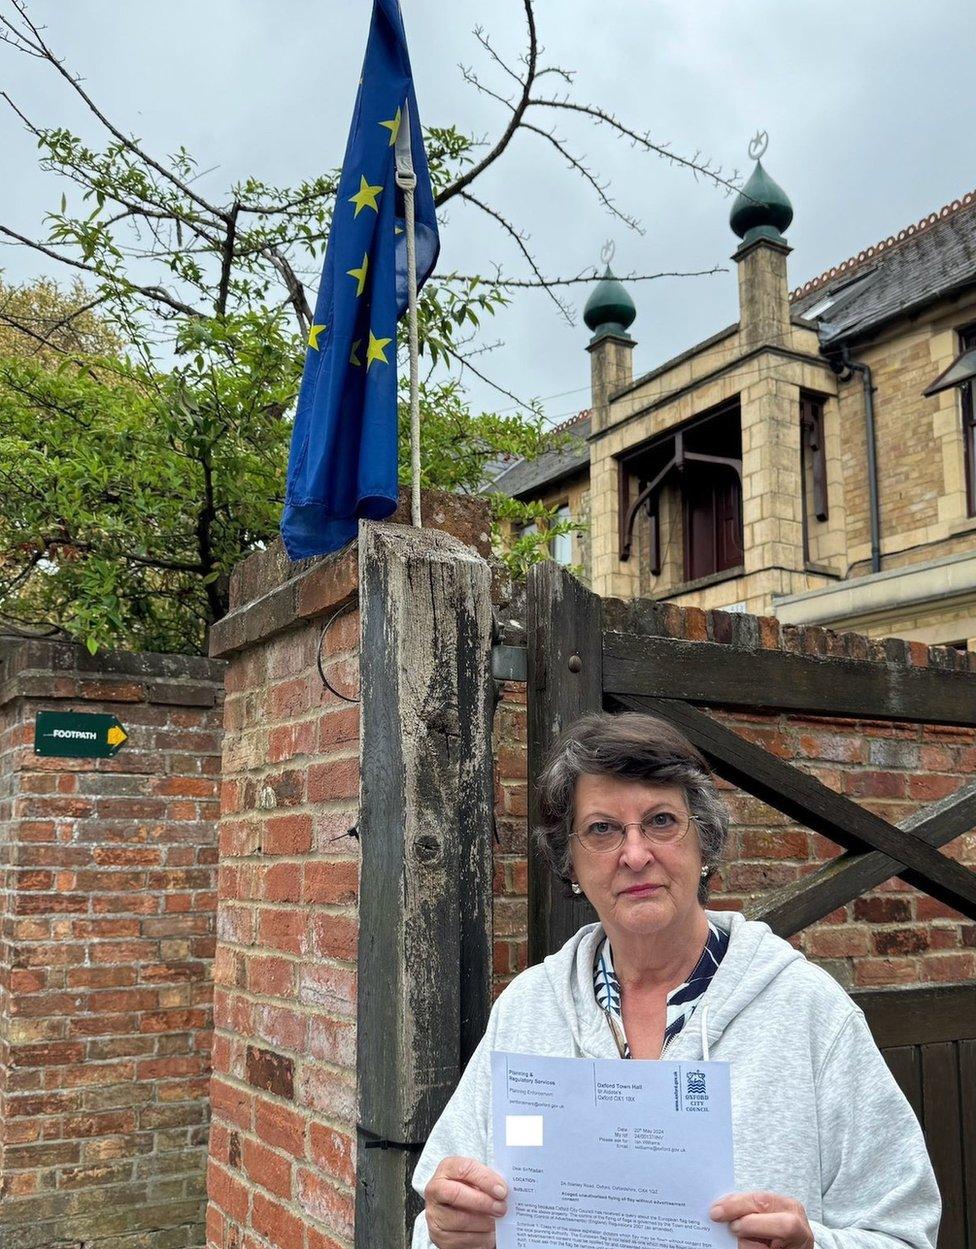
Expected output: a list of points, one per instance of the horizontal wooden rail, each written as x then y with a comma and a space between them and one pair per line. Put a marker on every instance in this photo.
708, 672
919, 1016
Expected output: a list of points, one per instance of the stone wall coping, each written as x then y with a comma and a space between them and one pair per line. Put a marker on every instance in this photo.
745, 632
43, 668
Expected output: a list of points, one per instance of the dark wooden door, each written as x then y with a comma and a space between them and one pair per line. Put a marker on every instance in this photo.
713, 523
928, 1039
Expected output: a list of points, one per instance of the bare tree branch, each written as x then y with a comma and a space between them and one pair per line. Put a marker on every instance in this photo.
151, 208
482, 37
465, 363
152, 292
587, 175
520, 242
529, 284
227, 261
296, 291
518, 112
602, 117
36, 45
65, 321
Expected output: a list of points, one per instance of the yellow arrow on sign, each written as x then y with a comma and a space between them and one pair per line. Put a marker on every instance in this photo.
116, 736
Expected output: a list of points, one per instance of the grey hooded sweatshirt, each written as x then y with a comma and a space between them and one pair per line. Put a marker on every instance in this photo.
816, 1114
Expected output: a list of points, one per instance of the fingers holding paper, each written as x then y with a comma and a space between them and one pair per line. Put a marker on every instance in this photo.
463, 1199
764, 1221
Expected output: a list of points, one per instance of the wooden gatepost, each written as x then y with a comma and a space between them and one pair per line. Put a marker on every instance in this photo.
425, 828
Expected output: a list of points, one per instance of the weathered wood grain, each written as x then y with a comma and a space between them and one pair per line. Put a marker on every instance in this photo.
424, 983
927, 1016
708, 672
564, 621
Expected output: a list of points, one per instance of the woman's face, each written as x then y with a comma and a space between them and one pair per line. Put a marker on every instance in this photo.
615, 881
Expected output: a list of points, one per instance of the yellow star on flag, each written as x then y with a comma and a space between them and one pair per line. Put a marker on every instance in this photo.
313, 335
360, 275
365, 197
398, 229
354, 354
375, 350
393, 125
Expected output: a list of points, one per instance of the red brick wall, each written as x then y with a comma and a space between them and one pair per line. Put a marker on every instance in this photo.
511, 797
282, 1169
893, 935
106, 938
282, 1150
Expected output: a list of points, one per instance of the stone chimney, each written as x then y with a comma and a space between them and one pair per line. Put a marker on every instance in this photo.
760, 213
609, 313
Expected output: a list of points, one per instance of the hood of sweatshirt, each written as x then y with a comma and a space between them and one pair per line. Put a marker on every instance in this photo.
755, 956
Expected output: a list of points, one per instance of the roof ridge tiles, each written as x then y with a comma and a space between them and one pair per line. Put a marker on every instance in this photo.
893, 240
582, 415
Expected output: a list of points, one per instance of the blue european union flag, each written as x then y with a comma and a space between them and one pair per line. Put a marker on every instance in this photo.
343, 461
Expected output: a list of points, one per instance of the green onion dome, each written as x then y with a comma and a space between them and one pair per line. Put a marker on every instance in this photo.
762, 209
609, 309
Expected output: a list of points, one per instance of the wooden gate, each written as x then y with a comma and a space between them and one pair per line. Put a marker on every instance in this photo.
578, 662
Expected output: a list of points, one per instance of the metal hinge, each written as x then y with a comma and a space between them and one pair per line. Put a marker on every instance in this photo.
509, 663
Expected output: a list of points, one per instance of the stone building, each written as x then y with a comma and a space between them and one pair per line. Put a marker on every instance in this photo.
815, 461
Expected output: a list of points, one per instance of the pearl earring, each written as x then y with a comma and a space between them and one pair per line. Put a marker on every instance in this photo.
705, 870
575, 887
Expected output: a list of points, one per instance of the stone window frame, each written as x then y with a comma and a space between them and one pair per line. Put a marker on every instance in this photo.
673, 437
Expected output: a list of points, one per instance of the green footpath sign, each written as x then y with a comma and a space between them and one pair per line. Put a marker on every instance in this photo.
77, 734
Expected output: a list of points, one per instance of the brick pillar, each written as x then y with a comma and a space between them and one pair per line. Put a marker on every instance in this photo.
282, 1167
106, 933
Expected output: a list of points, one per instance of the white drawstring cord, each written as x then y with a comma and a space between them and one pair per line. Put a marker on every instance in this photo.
406, 180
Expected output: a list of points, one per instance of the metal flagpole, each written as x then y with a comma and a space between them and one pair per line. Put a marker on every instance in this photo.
406, 180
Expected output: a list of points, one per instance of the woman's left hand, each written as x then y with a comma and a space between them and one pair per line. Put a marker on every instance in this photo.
764, 1221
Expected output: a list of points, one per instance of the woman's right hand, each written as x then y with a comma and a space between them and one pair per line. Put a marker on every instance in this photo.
463, 1200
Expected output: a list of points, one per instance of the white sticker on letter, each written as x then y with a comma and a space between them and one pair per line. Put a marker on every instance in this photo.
523, 1130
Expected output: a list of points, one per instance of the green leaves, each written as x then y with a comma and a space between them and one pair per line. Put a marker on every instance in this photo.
130, 494
145, 423
523, 533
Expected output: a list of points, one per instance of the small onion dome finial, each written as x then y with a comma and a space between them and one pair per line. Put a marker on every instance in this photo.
762, 209
609, 309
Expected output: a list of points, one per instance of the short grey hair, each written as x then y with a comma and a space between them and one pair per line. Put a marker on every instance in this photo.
635, 747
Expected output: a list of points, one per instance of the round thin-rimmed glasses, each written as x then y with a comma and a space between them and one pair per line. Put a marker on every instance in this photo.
660, 828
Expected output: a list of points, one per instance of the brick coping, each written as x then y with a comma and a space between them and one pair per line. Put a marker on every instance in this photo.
41, 668
695, 624
269, 593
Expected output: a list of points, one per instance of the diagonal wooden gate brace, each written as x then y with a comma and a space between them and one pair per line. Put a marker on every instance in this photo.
809, 801
808, 900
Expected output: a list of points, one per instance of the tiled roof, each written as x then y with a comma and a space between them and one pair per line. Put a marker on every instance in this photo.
528, 475
918, 264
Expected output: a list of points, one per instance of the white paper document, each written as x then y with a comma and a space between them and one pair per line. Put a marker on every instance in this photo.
610, 1154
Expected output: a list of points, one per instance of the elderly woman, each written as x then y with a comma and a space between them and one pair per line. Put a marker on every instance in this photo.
828, 1154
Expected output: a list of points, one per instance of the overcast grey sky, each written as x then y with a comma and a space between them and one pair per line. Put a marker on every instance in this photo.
869, 107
